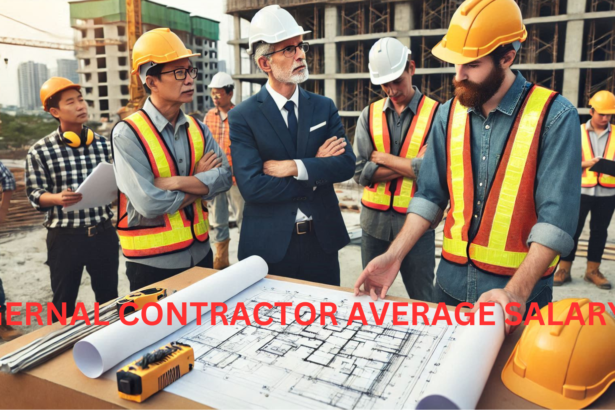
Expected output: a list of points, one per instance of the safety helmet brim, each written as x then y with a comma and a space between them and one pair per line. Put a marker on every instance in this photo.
531, 391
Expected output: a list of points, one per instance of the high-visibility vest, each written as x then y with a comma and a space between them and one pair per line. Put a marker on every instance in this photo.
378, 196
179, 231
500, 244
590, 178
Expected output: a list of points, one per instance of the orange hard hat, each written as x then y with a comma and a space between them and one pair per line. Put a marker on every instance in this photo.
53, 86
563, 366
603, 102
478, 27
158, 46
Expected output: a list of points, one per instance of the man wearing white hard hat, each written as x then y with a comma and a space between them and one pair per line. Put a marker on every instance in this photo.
216, 119
289, 148
390, 141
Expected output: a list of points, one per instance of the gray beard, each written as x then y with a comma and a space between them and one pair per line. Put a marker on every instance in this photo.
289, 77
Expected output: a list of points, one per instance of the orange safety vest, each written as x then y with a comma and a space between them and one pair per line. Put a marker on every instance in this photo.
378, 196
178, 232
590, 178
500, 245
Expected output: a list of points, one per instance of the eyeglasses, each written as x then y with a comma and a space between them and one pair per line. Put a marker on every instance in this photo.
290, 51
180, 73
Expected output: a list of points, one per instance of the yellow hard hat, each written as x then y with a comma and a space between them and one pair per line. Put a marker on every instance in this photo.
158, 46
478, 27
563, 366
603, 102
53, 86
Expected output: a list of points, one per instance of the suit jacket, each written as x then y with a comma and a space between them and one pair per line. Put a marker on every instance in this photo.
258, 134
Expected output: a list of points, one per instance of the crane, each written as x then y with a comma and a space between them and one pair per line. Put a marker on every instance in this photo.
134, 29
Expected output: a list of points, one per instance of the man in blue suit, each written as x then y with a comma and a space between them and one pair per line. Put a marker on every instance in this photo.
288, 148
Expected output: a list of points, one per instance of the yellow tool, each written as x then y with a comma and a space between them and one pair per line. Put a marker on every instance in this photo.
154, 371
140, 298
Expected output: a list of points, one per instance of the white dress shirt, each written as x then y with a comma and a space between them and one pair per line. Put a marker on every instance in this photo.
280, 100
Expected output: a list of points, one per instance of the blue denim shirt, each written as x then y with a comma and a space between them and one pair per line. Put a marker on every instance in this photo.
557, 193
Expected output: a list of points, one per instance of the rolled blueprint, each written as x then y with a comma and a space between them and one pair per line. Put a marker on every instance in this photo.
463, 374
102, 350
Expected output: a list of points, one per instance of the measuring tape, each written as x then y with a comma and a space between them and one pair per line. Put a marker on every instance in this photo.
154, 371
140, 298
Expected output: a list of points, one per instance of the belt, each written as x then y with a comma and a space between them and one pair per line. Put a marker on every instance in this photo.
88, 230
303, 227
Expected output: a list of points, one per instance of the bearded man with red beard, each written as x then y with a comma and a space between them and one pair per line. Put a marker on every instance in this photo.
506, 154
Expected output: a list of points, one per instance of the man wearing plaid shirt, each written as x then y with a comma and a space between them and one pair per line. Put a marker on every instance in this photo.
75, 239
217, 121
7, 182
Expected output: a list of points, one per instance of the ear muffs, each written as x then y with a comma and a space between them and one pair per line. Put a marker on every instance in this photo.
73, 140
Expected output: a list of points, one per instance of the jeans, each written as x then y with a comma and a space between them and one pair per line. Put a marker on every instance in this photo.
140, 275
543, 298
219, 213
417, 268
601, 208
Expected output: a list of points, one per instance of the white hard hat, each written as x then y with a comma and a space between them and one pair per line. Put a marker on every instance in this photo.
387, 60
271, 25
221, 80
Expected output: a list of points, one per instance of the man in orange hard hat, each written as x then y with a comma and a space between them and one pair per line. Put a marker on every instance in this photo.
505, 153
166, 164
597, 191
55, 166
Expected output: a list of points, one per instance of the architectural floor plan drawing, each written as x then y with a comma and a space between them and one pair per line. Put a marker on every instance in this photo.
293, 366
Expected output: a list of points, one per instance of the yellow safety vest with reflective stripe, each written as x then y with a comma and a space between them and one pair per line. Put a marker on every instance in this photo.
500, 244
589, 178
381, 196
177, 231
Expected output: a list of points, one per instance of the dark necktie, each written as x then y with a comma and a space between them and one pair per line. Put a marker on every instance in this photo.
292, 119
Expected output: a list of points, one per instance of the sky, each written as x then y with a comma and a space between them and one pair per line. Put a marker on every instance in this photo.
53, 17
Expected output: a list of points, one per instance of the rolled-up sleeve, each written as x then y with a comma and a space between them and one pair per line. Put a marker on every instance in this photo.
432, 193
558, 180
135, 177
364, 168
220, 179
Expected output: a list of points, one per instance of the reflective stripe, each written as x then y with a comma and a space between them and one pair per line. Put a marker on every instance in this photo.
605, 180
455, 247
156, 152
500, 257
379, 195
457, 158
502, 218
421, 124
589, 178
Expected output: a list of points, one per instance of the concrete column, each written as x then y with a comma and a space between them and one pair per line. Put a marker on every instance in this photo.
331, 57
573, 54
237, 51
404, 21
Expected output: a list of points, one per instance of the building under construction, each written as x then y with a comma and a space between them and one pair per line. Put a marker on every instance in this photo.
570, 46
104, 62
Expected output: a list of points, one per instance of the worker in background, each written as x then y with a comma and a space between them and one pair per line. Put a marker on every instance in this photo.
289, 148
166, 164
55, 167
7, 182
390, 140
506, 154
597, 191
216, 119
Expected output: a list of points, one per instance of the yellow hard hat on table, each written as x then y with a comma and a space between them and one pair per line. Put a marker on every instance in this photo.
478, 27
158, 46
603, 102
563, 366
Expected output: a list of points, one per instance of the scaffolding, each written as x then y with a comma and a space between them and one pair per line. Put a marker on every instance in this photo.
352, 19
366, 18
438, 86
539, 8
358, 94
600, 47
315, 59
313, 20
352, 57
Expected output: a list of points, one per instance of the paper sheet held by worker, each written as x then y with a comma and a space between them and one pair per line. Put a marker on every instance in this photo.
98, 189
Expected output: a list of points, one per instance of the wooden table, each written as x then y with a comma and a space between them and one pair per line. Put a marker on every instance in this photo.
59, 383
